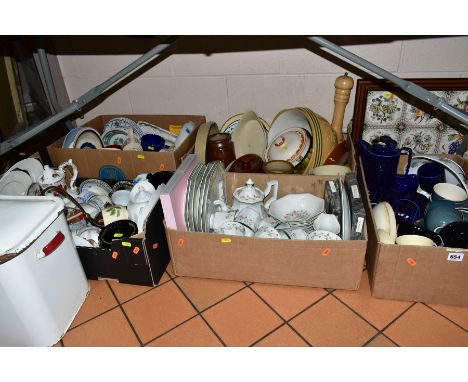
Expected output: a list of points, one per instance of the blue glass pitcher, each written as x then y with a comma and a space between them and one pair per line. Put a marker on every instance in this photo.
380, 164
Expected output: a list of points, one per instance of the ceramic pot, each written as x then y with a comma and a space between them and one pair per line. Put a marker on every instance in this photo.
220, 147
438, 217
250, 163
278, 167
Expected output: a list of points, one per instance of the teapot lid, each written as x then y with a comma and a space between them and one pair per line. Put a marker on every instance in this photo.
249, 193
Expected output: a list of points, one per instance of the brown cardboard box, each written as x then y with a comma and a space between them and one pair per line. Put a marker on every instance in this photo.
414, 273
131, 163
325, 264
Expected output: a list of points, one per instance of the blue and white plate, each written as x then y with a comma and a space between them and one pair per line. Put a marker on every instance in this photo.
82, 137
123, 124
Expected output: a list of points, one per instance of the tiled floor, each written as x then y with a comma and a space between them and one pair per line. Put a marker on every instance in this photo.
183, 311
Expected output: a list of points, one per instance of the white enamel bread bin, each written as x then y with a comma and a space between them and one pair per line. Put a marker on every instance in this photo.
42, 282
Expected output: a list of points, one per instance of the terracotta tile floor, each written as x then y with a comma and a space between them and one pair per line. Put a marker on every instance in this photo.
183, 311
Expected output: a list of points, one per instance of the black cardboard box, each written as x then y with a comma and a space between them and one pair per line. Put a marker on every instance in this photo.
139, 260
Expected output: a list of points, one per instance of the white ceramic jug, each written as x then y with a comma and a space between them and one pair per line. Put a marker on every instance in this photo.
56, 177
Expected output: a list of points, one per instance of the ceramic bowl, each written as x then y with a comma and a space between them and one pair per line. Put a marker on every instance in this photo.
447, 191
405, 228
415, 240
286, 119
121, 197
291, 145
83, 137
278, 167
384, 237
116, 230
455, 235
334, 170
152, 142
337, 155
296, 207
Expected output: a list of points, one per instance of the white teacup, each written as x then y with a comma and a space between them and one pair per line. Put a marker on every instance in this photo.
114, 213
234, 229
121, 197
296, 233
249, 217
327, 222
268, 232
220, 217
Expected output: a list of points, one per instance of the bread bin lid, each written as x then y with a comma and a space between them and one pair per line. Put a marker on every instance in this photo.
24, 218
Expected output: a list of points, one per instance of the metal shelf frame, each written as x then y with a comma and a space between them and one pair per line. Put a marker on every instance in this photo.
76, 105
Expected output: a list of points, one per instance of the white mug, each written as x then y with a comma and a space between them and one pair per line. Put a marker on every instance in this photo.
114, 213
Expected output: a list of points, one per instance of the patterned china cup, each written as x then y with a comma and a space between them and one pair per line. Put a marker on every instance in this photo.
220, 217
249, 217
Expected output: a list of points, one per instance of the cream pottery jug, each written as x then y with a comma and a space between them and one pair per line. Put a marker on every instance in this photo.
56, 177
253, 197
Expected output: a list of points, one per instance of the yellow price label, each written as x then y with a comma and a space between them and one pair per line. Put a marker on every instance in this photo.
151, 148
140, 156
126, 244
118, 234
225, 240
175, 129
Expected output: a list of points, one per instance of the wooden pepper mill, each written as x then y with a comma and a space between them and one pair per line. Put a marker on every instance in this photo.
343, 86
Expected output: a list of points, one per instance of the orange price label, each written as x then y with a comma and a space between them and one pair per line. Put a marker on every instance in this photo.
155, 245
136, 250
119, 160
115, 254
326, 252
181, 242
162, 167
411, 261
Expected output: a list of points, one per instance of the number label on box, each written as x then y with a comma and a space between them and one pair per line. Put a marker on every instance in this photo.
453, 256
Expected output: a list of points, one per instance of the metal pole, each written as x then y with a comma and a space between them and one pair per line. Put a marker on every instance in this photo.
82, 101
409, 87
49, 82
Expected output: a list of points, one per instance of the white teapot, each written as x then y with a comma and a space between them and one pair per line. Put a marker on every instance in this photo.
56, 177
251, 196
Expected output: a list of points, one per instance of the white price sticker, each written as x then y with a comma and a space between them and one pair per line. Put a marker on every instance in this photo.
359, 224
332, 186
453, 256
355, 191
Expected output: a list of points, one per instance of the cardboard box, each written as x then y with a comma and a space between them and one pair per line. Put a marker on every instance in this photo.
414, 273
128, 164
138, 260
325, 264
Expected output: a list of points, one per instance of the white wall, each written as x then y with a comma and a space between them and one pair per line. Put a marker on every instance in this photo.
225, 84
